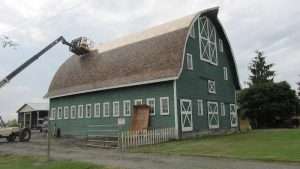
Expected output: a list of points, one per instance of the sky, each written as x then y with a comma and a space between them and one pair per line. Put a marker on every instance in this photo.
269, 25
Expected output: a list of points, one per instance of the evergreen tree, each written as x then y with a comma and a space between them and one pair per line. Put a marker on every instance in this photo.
260, 71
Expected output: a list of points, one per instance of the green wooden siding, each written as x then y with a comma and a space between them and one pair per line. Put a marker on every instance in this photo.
79, 126
193, 84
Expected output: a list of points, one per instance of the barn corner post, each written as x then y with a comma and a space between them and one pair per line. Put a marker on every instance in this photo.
49, 141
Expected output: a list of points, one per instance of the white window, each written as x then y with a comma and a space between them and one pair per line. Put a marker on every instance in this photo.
200, 107
213, 115
223, 112
88, 111
59, 113
97, 110
211, 86
164, 105
126, 107
192, 33
233, 116
207, 41
73, 112
225, 73
138, 102
80, 111
151, 103
106, 109
189, 61
66, 112
53, 114
116, 109
221, 45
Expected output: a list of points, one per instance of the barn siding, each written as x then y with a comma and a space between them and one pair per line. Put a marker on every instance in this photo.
79, 126
192, 84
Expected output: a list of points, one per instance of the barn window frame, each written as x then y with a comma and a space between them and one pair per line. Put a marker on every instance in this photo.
80, 111
59, 113
164, 111
200, 107
225, 69
53, 113
126, 104
66, 112
97, 110
223, 109
189, 61
116, 109
138, 100
152, 106
207, 41
211, 86
88, 111
73, 112
106, 112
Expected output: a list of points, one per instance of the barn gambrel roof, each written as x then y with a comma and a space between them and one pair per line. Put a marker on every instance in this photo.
151, 56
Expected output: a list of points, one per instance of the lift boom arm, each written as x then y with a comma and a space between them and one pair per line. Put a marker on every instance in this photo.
32, 59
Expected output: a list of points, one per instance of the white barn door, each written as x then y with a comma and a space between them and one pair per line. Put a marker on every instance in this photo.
186, 115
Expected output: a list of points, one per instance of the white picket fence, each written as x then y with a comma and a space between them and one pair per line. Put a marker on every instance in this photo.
130, 139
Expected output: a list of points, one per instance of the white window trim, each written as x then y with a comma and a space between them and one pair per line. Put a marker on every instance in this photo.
189, 61
207, 20
53, 113
161, 106
148, 103
116, 114
221, 45
73, 116
208, 88
97, 115
223, 109
225, 73
59, 113
233, 113
124, 108
106, 114
200, 107
66, 112
216, 113
80, 109
138, 100
86, 111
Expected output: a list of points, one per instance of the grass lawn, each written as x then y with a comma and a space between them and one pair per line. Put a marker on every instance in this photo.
277, 145
26, 162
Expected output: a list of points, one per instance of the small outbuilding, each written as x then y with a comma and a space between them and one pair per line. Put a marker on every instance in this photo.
32, 115
184, 70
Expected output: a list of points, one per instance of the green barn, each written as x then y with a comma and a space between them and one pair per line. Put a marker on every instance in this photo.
184, 70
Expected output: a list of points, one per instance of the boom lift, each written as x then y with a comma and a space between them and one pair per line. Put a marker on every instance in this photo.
79, 46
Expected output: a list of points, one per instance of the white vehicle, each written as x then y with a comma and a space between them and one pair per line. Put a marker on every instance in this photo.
11, 133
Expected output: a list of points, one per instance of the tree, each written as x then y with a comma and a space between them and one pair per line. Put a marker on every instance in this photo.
260, 71
267, 103
12, 123
298, 83
7, 42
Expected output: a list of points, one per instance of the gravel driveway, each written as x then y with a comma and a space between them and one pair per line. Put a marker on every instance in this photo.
64, 149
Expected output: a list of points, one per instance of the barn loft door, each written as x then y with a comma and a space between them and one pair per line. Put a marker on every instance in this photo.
213, 115
186, 115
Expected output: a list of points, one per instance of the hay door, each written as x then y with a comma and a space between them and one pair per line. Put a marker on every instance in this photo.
186, 115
